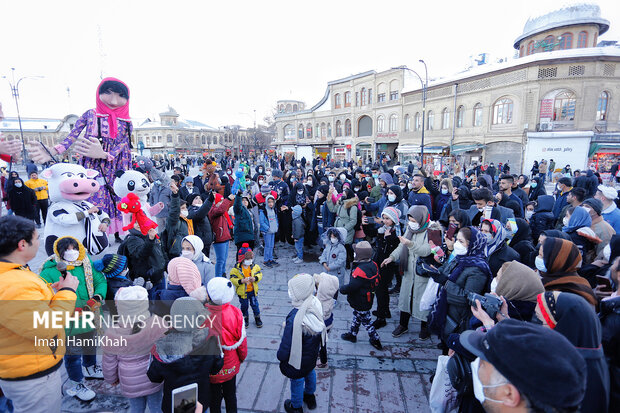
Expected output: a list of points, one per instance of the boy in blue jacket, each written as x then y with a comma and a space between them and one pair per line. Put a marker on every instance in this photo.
268, 218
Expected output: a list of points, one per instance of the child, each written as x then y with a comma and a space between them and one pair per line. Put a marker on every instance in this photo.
220, 292
193, 250
115, 269
299, 226
387, 241
245, 276
183, 281
269, 228
360, 293
304, 332
185, 355
334, 256
127, 364
326, 291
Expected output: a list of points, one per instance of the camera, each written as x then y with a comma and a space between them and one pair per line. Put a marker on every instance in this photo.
490, 303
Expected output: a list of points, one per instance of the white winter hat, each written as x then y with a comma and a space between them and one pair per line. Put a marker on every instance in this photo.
608, 192
220, 290
133, 302
300, 287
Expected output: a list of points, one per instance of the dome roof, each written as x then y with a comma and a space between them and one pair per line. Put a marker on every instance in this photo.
169, 112
566, 16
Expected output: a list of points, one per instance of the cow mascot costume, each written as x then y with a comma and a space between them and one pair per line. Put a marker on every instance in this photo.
70, 185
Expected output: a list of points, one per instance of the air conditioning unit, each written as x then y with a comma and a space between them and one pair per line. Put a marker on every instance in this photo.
546, 126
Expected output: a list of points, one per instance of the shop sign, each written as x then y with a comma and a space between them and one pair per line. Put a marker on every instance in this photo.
546, 108
349, 147
387, 135
339, 150
558, 149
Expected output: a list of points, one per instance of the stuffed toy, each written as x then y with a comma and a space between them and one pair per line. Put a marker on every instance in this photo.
70, 185
130, 204
131, 181
240, 183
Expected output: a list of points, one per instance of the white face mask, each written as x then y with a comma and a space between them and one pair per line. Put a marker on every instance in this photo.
300, 192
444, 191
261, 182
334, 240
18, 185
71, 255
410, 185
187, 254
414, 226
540, 264
607, 252
331, 178
247, 263
528, 214
493, 284
459, 248
478, 386
565, 221
391, 198
343, 177
184, 213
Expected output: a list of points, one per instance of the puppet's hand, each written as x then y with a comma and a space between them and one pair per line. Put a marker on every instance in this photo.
12, 147
90, 148
38, 153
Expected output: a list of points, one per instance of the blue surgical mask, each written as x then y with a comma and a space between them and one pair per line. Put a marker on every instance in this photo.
534, 184
540, 264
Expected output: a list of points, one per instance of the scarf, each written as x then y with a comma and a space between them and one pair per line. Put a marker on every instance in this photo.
218, 198
420, 214
82, 260
102, 110
190, 225
309, 315
475, 257
498, 238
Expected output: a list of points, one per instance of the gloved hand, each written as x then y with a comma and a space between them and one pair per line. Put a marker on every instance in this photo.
92, 305
139, 282
148, 285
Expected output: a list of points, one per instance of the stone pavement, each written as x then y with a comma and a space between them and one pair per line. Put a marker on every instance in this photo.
359, 378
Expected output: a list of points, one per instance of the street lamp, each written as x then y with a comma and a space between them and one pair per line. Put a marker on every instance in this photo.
15, 92
424, 86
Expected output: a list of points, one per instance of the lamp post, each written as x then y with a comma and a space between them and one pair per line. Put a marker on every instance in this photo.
15, 93
424, 85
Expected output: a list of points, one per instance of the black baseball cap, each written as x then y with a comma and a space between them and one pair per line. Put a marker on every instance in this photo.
540, 362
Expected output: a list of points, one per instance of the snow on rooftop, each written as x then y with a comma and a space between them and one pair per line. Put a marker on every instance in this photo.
30, 124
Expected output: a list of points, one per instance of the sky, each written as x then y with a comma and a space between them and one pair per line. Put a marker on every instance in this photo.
219, 61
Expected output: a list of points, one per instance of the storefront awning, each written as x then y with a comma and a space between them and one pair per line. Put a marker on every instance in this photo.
457, 149
417, 149
603, 147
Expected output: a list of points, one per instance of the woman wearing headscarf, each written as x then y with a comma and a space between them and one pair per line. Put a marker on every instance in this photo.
557, 262
577, 225
443, 198
537, 188
571, 316
192, 249
413, 244
522, 243
468, 273
519, 285
497, 250
523, 183
22, 199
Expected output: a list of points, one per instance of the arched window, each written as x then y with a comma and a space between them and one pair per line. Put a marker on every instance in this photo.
380, 123
323, 130
329, 130
222, 140
549, 40
337, 101
347, 99
347, 127
393, 123
431, 120
309, 131
364, 126
601, 107
338, 129
300, 131
566, 42
295, 108
521, 50
364, 94
407, 123
564, 106
316, 130
582, 40
502, 111
445, 118
204, 140
478, 114
169, 138
530, 47
288, 108
289, 132
460, 113
417, 121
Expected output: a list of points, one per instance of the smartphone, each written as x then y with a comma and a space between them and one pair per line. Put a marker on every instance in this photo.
451, 231
184, 398
487, 212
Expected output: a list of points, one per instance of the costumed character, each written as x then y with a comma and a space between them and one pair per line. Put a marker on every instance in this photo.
213, 183
130, 204
70, 214
105, 146
239, 183
131, 181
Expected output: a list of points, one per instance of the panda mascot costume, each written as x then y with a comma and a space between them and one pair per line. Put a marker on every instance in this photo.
132, 181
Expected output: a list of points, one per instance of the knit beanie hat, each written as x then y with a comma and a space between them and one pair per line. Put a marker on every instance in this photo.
363, 251
245, 253
265, 189
190, 198
111, 265
133, 302
300, 287
188, 310
392, 213
594, 204
183, 272
276, 173
220, 290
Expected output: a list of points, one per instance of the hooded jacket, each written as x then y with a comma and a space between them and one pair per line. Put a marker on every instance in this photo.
360, 291
299, 226
236, 275
346, 211
334, 255
543, 218
218, 221
231, 331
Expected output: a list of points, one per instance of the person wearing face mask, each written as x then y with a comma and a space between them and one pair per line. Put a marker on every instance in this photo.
244, 224
193, 250
442, 198
497, 250
577, 225
245, 276
468, 272
574, 198
80, 360
601, 228
537, 189
334, 255
521, 367
188, 188
115, 270
344, 207
522, 243
22, 199
282, 206
260, 171
561, 194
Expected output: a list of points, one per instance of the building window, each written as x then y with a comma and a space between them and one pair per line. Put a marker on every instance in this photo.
521, 49
369, 96
418, 121
407, 123
337, 102
393, 95
357, 98
364, 96
582, 40
289, 132
530, 47
300, 132
295, 108
380, 123
431, 120
347, 127
329, 130
549, 40
460, 112
393, 123
566, 42
338, 129
445, 118
601, 107
381, 97
169, 138
502, 111
309, 131
316, 130
323, 130
347, 99
564, 106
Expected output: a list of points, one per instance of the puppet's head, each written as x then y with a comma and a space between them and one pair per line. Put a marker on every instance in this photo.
70, 182
131, 181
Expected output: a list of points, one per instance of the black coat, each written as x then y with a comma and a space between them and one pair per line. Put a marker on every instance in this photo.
310, 345
145, 257
202, 225
360, 291
543, 218
22, 201
610, 322
500, 256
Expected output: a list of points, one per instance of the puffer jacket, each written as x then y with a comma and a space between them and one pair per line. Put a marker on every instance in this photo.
20, 358
129, 363
326, 292
299, 225
543, 218
244, 222
346, 216
231, 331
360, 291
310, 345
219, 222
177, 228
334, 255
236, 275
